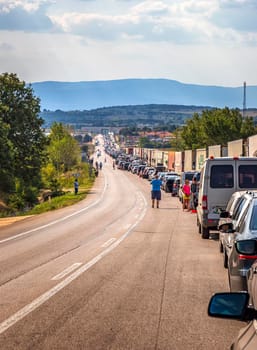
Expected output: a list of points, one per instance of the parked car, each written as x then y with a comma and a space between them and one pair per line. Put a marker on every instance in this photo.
220, 177
167, 183
236, 306
251, 279
245, 231
235, 208
242, 305
175, 188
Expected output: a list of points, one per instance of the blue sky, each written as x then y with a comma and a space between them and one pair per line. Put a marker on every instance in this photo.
208, 42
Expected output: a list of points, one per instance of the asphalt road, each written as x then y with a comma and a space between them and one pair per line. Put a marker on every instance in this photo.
111, 273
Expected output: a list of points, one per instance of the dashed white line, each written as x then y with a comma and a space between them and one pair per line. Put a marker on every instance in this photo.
109, 242
66, 271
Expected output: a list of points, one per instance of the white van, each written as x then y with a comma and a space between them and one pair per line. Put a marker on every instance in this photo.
220, 177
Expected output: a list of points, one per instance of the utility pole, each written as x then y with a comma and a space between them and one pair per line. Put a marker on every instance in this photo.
244, 102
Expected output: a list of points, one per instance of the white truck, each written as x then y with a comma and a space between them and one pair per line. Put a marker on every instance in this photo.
220, 177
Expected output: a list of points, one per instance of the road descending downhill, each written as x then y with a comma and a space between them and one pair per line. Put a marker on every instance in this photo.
111, 272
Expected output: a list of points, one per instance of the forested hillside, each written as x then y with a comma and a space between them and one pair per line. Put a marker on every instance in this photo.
150, 115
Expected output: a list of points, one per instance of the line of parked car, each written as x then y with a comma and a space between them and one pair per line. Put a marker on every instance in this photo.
237, 228
170, 179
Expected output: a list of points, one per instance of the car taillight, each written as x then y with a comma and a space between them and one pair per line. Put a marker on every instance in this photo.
204, 202
247, 257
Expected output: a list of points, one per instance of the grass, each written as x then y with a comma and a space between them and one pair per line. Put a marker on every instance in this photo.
61, 201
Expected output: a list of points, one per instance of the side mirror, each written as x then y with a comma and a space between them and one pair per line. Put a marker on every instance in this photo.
247, 247
230, 305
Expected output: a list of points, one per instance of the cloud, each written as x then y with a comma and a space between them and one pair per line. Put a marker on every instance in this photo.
181, 22
25, 15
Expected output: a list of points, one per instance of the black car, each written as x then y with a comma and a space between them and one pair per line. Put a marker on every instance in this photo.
175, 188
167, 184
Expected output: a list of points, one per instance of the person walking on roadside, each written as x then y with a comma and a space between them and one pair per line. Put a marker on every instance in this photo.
76, 186
194, 194
186, 194
156, 191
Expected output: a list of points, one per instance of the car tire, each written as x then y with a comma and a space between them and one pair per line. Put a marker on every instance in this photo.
199, 226
225, 259
205, 232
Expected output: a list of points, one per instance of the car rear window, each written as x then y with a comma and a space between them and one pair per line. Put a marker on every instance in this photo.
222, 176
189, 176
247, 176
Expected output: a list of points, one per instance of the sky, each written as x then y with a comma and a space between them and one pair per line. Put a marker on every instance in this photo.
207, 42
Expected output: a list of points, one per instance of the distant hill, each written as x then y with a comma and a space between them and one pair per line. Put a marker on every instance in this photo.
87, 95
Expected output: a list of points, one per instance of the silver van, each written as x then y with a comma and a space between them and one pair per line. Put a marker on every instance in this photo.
220, 177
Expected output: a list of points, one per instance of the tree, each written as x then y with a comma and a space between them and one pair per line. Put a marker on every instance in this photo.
63, 150
19, 111
216, 127
6, 159
192, 134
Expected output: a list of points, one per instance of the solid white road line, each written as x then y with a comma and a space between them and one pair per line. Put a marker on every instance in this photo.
66, 271
59, 220
46, 296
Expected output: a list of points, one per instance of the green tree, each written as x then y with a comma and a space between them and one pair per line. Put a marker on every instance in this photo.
63, 150
216, 127
6, 159
192, 133
20, 111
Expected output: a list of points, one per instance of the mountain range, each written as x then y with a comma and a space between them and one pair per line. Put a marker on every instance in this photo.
87, 95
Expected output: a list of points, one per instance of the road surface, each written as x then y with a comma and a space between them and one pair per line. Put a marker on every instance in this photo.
111, 273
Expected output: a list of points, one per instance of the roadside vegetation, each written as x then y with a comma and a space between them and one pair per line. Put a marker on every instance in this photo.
36, 171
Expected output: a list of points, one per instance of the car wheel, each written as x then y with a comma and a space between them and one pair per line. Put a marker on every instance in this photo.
205, 232
225, 259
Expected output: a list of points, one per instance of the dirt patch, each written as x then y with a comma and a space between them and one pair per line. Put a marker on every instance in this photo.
11, 220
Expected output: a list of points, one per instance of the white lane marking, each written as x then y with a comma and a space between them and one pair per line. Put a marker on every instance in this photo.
66, 271
59, 220
9, 322
109, 242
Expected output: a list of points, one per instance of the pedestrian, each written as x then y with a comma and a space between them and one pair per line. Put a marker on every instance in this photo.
96, 172
186, 194
156, 191
194, 194
100, 165
76, 186
113, 165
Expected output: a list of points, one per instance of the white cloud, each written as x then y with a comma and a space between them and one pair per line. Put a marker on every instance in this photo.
76, 40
